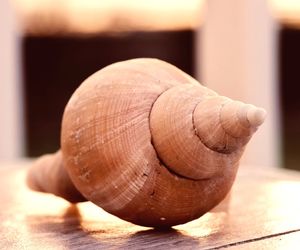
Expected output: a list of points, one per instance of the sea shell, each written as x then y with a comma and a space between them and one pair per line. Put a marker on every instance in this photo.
151, 145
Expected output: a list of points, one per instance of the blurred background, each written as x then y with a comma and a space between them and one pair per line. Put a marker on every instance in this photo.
245, 49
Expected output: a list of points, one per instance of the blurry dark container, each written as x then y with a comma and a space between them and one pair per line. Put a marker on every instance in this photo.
289, 79
54, 66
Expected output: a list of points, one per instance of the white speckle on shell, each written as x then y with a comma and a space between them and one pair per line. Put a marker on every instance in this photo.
85, 177
75, 160
77, 135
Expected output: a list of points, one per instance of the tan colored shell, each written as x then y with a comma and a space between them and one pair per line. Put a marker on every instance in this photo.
149, 144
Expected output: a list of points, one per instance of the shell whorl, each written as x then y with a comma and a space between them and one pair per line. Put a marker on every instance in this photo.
134, 141
225, 125
194, 129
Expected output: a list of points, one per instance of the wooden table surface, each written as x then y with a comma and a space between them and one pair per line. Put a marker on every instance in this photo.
262, 212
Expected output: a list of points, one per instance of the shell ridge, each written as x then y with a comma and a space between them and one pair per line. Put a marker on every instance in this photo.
160, 160
224, 153
199, 136
222, 121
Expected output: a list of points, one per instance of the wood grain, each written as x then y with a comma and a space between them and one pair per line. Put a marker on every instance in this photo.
262, 212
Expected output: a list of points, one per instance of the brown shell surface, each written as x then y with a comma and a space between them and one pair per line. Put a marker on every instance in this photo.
111, 133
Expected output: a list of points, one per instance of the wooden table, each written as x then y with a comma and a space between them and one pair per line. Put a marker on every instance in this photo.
262, 212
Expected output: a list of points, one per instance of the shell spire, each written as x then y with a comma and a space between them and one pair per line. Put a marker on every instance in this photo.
224, 125
194, 130
255, 116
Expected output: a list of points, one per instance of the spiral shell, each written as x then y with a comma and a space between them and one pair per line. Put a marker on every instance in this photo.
149, 144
